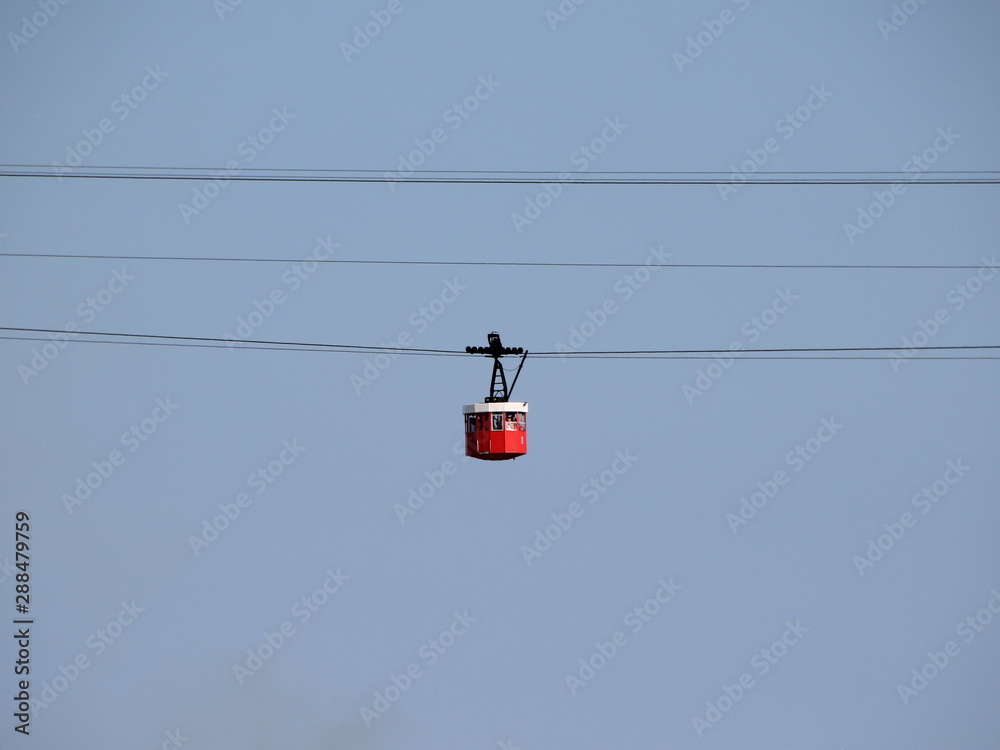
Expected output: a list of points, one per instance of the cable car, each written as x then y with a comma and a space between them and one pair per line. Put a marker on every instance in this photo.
497, 428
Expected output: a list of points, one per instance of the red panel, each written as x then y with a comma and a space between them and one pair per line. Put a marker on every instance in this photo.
495, 445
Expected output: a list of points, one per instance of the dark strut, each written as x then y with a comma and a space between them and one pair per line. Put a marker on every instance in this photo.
499, 392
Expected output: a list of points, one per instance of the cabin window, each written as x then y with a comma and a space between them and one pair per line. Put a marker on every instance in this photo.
497, 421
511, 420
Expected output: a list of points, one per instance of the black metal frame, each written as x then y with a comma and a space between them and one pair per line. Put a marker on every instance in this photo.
499, 392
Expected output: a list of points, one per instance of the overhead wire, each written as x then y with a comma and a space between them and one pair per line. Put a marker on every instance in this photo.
233, 345
638, 352
224, 343
357, 348
509, 171
247, 345
515, 264
497, 177
507, 177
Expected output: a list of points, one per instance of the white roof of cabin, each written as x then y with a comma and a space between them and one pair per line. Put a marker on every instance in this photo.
495, 406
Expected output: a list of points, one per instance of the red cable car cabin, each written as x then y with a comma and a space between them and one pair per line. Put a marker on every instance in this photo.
496, 431
497, 428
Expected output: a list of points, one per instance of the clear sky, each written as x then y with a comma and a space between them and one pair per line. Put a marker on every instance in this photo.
670, 607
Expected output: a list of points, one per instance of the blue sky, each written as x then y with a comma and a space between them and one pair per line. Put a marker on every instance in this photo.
315, 599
